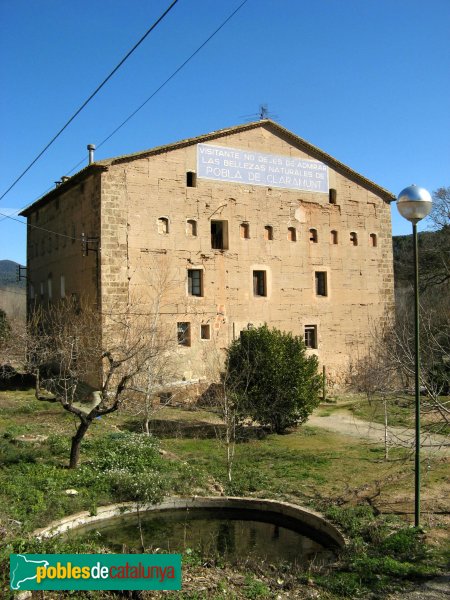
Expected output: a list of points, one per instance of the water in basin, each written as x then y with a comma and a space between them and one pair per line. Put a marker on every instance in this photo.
233, 534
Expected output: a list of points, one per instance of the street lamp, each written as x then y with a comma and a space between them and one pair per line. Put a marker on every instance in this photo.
414, 203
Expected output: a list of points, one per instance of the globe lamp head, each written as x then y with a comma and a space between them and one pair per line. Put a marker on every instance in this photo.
414, 203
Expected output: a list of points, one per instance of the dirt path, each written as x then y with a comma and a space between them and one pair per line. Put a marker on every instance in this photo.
343, 421
435, 589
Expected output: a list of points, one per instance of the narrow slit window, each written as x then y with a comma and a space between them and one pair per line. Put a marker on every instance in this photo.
63, 286
292, 234
205, 331
332, 196
373, 240
268, 232
184, 334
333, 237
311, 336
163, 225
191, 179
244, 231
191, 228
321, 283
354, 238
49, 287
195, 282
259, 283
313, 237
219, 235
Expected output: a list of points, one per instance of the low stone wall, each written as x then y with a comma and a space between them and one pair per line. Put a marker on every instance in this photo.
302, 516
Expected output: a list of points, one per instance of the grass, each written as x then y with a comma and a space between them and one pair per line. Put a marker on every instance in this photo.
327, 471
400, 412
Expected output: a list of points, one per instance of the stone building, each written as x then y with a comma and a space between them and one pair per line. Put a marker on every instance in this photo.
250, 225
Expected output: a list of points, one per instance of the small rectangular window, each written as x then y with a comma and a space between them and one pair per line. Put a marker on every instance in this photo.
333, 237
311, 336
205, 332
191, 227
245, 231
259, 283
268, 232
219, 235
313, 237
184, 334
63, 286
292, 234
332, 196
191, 179
373, 240
321, 283
354, 238
163, 225
195, 282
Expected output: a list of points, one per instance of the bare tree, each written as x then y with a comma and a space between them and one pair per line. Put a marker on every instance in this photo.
225, 402
386, 374
440, 215
90, 362
159, 371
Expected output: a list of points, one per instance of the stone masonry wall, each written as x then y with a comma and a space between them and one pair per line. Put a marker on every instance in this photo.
135, 252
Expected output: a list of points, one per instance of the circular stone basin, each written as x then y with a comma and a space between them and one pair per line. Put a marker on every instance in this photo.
233, 528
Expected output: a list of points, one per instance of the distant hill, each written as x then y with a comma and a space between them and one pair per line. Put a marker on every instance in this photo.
8, 274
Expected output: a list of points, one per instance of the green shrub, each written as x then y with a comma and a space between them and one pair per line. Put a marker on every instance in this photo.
59, 445
15, 454
132, 452
254, 589
271, 379
405, 544
147, 486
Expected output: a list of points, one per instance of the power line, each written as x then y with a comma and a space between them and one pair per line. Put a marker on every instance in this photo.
173, 74
131, 116
164, 83
55, 137
70, 237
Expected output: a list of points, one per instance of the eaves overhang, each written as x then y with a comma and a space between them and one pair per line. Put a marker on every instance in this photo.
62, 188
268, 124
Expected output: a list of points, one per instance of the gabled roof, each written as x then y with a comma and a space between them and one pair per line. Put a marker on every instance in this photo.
277, 129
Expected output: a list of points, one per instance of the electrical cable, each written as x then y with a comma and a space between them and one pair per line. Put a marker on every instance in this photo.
55, 137
99, 145
70, 237
131, 116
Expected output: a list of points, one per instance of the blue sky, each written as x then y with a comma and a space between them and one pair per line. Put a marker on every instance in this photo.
365, 80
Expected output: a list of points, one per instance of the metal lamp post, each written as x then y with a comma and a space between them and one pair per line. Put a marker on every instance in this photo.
414, 203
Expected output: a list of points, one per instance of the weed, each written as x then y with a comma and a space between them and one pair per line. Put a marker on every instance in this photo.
254, 588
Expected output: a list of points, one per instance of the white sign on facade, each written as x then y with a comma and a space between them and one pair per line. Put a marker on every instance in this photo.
258, 168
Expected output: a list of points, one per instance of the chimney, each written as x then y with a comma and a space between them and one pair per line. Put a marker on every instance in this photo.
91, 148
64, 178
